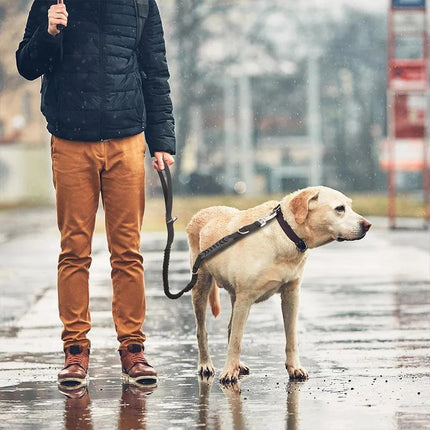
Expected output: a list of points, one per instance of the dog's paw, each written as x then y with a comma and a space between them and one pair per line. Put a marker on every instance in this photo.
206, 369
243, 369
297, 373
229, 375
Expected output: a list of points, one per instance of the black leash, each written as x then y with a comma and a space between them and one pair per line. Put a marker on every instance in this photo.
225, 242
166, 183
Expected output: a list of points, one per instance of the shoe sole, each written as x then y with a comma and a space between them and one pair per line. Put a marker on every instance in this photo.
73, 383
139, 381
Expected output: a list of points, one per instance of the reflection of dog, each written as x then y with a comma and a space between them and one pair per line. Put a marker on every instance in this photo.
264, 263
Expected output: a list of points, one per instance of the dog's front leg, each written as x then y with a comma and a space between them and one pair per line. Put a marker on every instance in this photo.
290, 307
240, 314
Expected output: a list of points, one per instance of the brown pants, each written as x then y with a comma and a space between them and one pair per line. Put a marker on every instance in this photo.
81, 172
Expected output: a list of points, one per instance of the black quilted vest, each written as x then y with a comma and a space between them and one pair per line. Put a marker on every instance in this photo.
94, 91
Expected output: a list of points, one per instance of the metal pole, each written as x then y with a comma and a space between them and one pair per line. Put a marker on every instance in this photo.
229, 133
314, 120
246, 155
391, 173
391, 160
198, 137
426, 142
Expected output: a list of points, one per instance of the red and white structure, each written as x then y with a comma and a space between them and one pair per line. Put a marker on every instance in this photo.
407, 146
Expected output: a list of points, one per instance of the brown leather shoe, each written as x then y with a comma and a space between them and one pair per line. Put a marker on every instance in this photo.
135, 368
74, 373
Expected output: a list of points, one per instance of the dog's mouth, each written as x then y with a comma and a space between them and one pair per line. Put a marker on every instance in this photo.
343, 239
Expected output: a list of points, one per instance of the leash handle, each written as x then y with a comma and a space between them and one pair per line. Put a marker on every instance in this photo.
166, 184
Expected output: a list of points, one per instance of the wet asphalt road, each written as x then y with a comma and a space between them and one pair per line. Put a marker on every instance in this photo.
364, 334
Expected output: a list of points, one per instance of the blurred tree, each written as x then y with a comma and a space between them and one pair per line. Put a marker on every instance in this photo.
189, 34
353, 81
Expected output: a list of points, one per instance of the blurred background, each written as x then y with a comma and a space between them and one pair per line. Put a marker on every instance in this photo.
269, 96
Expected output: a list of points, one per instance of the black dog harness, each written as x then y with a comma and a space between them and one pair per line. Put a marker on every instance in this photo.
225, 242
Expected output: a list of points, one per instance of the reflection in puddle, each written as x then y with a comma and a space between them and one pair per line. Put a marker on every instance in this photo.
132, 412
77, 409
232, 394
238, 407
209, 410
132, 408
293, 405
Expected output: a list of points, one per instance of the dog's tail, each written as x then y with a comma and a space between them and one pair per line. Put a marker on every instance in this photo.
214, 299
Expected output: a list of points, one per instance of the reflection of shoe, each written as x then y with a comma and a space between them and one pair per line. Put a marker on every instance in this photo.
74, 393
77, 409
132, 413
132, 394
74, 373
135, 368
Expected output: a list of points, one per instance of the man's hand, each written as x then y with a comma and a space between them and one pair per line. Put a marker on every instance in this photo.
57, 15
160, 158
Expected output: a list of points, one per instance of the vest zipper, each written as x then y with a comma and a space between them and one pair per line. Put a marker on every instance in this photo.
102, 66
136, 8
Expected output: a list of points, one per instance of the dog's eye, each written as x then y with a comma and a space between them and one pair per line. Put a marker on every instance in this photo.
340, 208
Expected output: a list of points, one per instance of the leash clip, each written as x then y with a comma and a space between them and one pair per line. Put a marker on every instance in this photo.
263, 221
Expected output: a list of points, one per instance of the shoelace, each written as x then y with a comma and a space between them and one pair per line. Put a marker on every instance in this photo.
79, 359
138, 357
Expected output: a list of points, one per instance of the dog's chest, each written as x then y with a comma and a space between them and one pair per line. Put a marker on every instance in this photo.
269, 291
276, 278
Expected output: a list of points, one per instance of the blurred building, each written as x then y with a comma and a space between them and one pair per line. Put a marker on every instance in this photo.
25, 175
20, 117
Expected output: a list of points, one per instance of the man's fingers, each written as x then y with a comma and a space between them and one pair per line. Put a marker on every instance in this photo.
57, 15
169, 160
160, 158
55, 21
57, 9
158, 162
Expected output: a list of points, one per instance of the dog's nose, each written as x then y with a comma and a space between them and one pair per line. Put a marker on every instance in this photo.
366, 224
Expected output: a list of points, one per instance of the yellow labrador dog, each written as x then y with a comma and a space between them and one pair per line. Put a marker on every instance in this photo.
264, 263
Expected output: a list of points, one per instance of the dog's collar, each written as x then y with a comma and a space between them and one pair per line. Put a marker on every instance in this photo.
300, 243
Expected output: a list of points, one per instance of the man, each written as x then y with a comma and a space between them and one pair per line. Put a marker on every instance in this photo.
105, 81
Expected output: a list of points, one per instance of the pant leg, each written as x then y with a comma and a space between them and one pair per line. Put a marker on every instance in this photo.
76, 172
123, 193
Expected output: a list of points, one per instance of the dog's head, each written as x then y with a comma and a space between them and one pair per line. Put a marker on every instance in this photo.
324, 215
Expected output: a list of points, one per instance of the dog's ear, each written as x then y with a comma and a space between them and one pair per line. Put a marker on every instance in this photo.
299, 206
